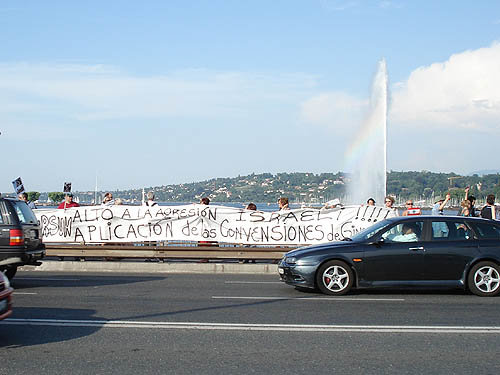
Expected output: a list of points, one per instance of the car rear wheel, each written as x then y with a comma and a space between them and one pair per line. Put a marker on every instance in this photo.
484, 279
335, 278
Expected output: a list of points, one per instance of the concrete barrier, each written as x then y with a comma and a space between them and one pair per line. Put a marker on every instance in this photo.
152, 267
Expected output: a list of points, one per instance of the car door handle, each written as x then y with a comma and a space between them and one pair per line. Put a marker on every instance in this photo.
416, 248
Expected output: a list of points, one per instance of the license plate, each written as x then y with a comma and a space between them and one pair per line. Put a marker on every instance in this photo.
281, 271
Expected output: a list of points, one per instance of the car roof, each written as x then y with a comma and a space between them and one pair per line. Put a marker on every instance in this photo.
430, 217
8, 199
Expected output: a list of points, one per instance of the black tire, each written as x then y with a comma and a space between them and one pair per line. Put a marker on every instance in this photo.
484, 279
10, 272
341, 280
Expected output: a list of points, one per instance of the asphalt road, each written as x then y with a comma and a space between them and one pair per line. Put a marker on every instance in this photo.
213, 324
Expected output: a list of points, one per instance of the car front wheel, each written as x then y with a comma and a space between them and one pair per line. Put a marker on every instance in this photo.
335, 278
484, 279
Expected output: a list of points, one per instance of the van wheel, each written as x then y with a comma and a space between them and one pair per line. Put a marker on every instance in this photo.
10, 272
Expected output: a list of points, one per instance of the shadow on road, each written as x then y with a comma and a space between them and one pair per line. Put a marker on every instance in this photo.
74, 281
393, 291
16, 336
410, 291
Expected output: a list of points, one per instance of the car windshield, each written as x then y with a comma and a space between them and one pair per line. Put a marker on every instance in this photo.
371, 230
26, 216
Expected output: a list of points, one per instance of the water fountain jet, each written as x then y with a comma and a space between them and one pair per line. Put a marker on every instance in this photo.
367, 156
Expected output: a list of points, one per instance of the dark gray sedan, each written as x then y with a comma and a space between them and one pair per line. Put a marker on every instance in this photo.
419, 251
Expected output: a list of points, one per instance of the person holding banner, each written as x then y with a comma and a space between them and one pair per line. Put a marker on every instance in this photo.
331, 204
389, 202
68, 202
283, 204
107, 200
206, 201
151, 200
251, 207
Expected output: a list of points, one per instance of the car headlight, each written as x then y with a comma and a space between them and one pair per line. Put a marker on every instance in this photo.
291, 260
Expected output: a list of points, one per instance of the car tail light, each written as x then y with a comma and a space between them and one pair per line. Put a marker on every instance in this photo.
16, 237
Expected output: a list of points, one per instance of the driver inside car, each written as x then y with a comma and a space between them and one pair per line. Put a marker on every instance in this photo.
407, 234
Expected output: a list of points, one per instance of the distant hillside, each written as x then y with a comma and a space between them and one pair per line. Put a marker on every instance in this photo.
485, 172
311, 188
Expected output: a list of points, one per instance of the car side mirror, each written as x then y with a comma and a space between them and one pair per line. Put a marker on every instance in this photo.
379, 242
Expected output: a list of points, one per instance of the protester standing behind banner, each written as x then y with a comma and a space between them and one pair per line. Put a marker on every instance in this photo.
438, 207
488, 211
150, 200
107, 200
466, 208
389, 202
251, 207
206, 201
283, 203
24, 198
68, 202
472, 200
150, 196
411, 210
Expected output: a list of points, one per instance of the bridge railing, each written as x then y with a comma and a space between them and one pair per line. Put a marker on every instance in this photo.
167, 250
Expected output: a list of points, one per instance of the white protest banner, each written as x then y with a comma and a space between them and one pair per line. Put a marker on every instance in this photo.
194, 222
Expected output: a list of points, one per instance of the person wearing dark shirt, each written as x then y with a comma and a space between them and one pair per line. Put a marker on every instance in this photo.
488, 211
472, 200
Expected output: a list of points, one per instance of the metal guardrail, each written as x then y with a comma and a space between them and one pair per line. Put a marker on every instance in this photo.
170, 251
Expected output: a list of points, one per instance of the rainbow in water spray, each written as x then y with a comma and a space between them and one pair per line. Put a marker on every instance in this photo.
366, 157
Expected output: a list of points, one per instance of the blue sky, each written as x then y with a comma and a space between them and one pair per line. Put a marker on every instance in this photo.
155, 93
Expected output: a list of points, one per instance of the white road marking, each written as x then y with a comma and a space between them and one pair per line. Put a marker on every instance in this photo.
254, 282
42, 279
253, 327
25, 293
329, 299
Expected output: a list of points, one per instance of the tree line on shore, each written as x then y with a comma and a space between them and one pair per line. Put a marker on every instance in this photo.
303, 187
